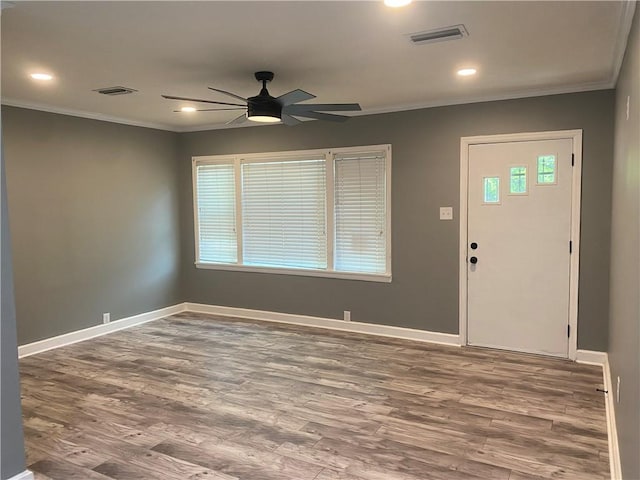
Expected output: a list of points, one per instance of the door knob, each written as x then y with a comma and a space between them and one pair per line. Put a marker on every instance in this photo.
473, 260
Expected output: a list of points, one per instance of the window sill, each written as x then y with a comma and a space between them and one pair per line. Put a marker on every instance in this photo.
383, 278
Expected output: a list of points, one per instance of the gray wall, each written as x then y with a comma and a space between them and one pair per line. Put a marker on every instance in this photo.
624, 317
426, 158
94, 220
12, 459
96, 226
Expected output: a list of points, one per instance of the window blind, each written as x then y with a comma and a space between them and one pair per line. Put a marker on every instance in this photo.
360, 213
216, 197
283, 213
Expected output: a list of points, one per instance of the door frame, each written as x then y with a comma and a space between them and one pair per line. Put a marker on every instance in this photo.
576, 193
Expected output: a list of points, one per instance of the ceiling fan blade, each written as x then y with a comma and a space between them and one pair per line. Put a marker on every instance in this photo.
321, 116
237, 120
289, 120
294, 96
212, 109
227, 93
171, 97
323, 107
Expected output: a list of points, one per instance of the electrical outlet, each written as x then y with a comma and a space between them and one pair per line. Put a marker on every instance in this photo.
106, 317
347, 316
618, 391
446, 213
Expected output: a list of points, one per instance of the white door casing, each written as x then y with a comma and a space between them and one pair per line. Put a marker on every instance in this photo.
522, 292
518, 292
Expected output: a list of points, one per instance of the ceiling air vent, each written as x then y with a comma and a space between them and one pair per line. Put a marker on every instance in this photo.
439, 35
115, 90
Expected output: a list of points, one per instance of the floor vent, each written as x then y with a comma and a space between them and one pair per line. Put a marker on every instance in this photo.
439, 35
115, 90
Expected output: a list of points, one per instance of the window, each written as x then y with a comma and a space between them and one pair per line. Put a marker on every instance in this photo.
546, 169
360, 210
319, 213
491, 190
518, 181
216, 213
283, 212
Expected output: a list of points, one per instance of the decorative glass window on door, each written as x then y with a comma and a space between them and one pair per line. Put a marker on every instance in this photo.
491, 190
518, 180
547, 169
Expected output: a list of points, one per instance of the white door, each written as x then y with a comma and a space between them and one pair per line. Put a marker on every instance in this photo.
519, 229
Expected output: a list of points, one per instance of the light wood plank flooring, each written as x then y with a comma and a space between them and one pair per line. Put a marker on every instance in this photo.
202, 397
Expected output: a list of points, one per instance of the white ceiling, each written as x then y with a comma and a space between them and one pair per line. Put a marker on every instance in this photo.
355, 51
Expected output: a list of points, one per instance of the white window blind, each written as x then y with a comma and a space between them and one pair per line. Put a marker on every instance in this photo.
360, 213
216, 203
284, 213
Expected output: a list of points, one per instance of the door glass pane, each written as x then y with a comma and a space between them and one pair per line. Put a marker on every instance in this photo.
518, 180
491, 190
546, 169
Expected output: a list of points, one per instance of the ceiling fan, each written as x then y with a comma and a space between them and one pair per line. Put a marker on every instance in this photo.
267, 109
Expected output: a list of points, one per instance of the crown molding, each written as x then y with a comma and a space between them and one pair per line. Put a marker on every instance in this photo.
10, 102
576, 88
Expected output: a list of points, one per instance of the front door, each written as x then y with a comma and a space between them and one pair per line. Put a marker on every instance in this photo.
519, 232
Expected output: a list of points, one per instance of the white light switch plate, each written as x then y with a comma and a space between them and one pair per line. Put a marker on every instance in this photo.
446, 213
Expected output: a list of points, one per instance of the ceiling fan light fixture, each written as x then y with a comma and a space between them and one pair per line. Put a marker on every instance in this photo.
264, 119
264, 110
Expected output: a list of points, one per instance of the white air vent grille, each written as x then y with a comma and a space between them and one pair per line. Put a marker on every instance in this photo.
439, 35
115, 90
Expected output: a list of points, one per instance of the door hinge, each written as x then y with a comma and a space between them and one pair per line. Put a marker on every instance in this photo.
570, 246
573, 159
568, 331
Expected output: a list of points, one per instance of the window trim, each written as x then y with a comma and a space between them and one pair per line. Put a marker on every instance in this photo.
329, 155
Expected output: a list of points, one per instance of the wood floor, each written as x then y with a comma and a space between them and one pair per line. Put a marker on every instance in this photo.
200, 397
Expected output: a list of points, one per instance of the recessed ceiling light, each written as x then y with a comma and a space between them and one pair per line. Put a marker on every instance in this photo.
41, 76
465, 72
396, 3
188, 109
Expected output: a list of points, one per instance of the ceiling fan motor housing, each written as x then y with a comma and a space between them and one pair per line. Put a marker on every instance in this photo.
264, 105
264, 76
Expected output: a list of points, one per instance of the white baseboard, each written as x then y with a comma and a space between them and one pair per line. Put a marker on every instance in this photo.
602, 359
92, 332
591, 357
329, 323
610, 400
26, 475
